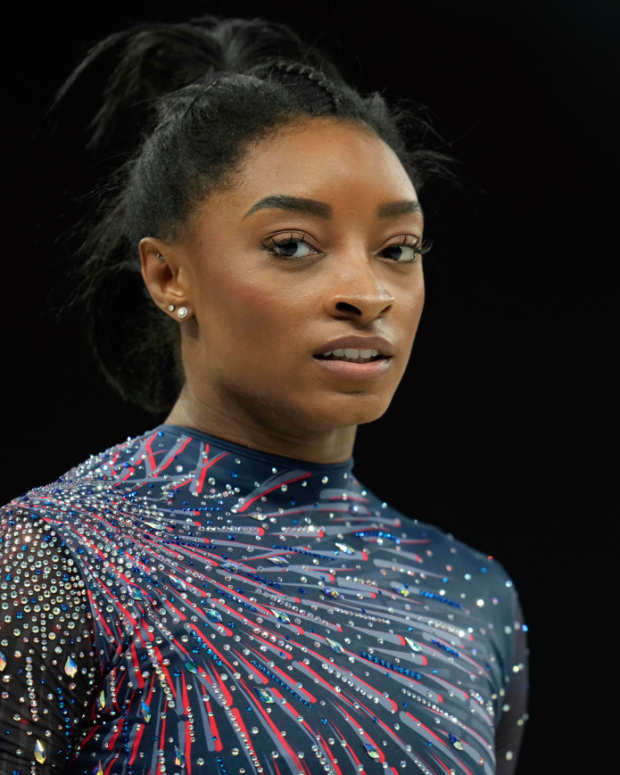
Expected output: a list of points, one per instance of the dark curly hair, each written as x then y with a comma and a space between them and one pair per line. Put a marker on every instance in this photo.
200, 91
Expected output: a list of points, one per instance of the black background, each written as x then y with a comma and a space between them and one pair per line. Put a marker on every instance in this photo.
497, 430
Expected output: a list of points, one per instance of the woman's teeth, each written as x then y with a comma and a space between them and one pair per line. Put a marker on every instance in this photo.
350, 354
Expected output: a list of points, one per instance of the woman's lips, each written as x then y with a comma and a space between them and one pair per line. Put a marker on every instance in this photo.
382, 345
353, 370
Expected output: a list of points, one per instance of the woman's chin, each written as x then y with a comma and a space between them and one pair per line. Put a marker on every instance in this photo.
345, 410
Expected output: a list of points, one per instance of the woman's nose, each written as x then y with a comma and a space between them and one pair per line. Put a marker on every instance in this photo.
363, 309
358, 295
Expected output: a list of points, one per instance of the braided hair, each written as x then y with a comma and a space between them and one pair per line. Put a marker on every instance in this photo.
199, 91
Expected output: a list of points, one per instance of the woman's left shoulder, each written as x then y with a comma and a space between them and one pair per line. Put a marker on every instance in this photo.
475, 579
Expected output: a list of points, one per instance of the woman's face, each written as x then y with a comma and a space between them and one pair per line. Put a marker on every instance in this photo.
305, 249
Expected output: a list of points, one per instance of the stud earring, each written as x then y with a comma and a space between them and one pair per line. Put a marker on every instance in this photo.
171, 308
182, 312
160, 257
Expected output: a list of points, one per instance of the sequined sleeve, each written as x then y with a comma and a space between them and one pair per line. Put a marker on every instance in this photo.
47, 661
509, 734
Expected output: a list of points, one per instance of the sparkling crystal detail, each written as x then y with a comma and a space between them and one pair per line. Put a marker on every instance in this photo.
456, 743
40, 754
70, 667
264, 695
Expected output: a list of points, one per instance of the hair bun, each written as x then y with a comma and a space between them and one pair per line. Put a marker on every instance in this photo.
153, 59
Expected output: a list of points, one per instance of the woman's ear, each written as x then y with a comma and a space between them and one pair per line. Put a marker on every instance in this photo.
161, 272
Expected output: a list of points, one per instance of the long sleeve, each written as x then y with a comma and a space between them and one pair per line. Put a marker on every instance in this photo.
47, 662
509, 734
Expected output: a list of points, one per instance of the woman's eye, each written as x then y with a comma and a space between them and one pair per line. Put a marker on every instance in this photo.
294, 247
289, 247
404, 252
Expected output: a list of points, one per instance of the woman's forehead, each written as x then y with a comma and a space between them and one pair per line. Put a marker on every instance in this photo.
303, 167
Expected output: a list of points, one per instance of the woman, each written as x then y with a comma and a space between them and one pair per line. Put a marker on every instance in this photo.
221, 594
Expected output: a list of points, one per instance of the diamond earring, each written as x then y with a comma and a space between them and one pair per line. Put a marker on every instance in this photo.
182, 312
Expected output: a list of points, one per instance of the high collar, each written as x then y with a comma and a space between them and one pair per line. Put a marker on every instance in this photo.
268, 458
197, 468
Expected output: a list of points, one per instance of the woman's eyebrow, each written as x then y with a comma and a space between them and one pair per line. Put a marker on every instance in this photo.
313, 207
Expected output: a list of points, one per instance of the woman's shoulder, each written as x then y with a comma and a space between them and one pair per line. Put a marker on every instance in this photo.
447, 570
90, 516
101, 469
433, 545
81, 507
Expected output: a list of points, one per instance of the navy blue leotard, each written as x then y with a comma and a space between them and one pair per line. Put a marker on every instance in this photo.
182, 604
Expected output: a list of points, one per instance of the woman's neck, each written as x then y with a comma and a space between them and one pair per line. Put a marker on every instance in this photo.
331, 446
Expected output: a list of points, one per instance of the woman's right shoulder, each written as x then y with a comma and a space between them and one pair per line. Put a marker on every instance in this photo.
76, 507
99, 472
90, 520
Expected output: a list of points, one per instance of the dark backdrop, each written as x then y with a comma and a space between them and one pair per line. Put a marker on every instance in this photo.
496, 429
